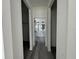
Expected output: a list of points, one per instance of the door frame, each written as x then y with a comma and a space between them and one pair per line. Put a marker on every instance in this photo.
30, 24
66, 24
31, 39
49, 24
12, 28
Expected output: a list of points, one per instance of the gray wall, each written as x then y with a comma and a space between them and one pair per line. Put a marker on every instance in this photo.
53, 23
16, 22
71, 39
25, 22
62, 22
39, 11
7, 31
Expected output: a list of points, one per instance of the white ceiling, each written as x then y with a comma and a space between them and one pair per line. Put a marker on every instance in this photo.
39, 2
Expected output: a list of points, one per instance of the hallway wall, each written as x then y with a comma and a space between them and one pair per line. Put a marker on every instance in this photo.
7, 30
39, 11
25, 22
53, 23
71, 35
16, 25
62, 22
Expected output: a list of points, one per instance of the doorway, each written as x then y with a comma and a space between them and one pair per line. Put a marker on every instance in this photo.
25, 28
54, 27
40, 29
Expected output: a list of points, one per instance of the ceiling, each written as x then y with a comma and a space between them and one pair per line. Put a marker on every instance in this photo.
39, 2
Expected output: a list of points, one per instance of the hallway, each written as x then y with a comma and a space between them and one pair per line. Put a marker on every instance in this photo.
18, 29
39, 42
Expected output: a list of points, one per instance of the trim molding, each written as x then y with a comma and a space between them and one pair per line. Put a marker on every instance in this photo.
28, 4
50, 3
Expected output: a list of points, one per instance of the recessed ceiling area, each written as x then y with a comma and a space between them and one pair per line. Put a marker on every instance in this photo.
39, 2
